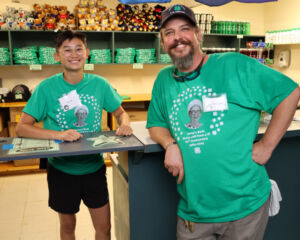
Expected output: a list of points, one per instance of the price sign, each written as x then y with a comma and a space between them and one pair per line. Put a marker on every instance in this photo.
138, 66
89, 67
35, 67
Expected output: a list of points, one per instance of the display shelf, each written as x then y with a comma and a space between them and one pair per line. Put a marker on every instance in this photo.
115, 40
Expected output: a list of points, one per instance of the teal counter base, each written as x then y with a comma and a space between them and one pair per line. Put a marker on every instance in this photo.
152, 195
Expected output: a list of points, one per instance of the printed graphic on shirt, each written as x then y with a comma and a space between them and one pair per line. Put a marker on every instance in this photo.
195, 127
81, 113
194, 112
82, 107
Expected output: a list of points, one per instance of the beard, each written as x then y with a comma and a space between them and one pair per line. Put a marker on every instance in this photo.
184, 62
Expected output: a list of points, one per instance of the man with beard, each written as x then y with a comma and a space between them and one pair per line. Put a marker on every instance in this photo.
222, 182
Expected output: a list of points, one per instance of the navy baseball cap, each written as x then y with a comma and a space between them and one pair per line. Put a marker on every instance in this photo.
178, 10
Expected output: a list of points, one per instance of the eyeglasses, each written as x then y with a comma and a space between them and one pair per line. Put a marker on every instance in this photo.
69, 51
189, 76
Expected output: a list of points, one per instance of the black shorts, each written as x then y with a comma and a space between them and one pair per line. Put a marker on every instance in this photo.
66, 191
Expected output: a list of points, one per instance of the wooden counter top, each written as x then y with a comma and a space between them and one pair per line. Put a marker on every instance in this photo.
137, 97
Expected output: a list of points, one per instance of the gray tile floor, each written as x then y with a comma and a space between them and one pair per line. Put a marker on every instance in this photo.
25, 215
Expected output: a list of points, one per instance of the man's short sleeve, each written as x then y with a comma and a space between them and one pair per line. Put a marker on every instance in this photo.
157, 112
269, 87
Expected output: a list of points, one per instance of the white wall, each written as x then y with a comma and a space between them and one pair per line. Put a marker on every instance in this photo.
280, 15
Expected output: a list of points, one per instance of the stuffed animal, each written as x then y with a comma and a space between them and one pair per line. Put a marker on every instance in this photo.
71, 22
2, 21
61, 24
92, 3
91, 25
21, 22
54, 12
8, 25
63, 14
28, 24
82, 24
50, 23
38, 24
10, 11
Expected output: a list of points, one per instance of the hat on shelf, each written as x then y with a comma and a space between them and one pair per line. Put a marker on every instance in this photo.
20, 93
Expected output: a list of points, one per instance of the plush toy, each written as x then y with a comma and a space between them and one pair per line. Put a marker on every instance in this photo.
99, 3
63, 14
28, 24
38, 24
92, 3
10, 11
93, 12
61, 24
83, 3
91, 25
8, 25
50, 23
21, 13
2, 21
71, 22
82, 24
21, 22
54, 12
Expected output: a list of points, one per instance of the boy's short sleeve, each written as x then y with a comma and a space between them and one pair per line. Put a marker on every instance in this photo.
37, 105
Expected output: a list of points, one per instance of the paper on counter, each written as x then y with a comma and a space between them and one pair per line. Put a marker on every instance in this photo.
28, 145
103, 140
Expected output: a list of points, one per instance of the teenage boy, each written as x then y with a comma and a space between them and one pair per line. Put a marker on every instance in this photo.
57, 102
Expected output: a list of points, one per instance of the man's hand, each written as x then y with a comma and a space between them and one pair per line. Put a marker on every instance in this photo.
69, 135
124, 130
261, 153
174, 162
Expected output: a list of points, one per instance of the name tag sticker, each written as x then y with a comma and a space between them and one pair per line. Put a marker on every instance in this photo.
218, 103
69, 101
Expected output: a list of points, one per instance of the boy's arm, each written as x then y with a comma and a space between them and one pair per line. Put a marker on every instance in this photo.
123, 121
25, 128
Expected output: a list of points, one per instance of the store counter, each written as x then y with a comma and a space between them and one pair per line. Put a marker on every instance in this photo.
145, 196
57, 149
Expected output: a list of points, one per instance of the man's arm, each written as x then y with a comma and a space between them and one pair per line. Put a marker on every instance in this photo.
173, 158
25, 128
281, 119
123, 121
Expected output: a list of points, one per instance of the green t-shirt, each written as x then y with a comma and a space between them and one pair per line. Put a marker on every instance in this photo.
222, 182
62, 106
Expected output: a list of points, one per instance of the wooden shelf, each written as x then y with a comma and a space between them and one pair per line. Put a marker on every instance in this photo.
12, 104
8, 168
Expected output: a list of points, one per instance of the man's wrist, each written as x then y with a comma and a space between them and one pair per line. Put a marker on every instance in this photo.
169, 144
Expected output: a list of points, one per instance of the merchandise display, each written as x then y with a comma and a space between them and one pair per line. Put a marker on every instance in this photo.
25, 55
46, 55
100, 56
125, 55
230, 27
4, 56
165, 58
90, 15
145, 56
